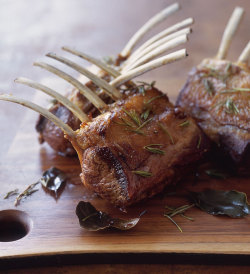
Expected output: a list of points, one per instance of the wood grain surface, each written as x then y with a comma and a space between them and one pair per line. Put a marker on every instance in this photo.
93, 28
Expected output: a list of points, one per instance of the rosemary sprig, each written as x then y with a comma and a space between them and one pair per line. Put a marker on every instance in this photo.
166, 131
172, 220
27, 192
142, 173
153, 149
11, 193
178, 211
133, 116
126, 122
184, 124
208, 86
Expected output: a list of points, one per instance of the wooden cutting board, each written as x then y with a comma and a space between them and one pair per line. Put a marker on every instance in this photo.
54, 225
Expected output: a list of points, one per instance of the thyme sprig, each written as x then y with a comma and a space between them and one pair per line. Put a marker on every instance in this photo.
27, 192
153, 148
11, 193
142, 173
166, 131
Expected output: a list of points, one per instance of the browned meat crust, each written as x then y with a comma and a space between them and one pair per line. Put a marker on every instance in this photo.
214, 95
111, 148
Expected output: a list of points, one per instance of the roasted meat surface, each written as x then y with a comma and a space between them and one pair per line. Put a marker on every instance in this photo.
217, 96
139, 146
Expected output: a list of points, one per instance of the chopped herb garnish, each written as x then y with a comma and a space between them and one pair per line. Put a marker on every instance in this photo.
142, 173
153, 149
184, 124
11, 193
136, 131
27, 192
126, 122
166, 131
208, 86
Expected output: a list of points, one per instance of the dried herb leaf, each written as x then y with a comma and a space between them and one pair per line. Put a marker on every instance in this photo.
52, 179
230, 106
27, 192
144, 123
94, 220
199, 142
217, 202
11, 193
142, 173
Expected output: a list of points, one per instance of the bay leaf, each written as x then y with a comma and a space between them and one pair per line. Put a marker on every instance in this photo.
94, 220
218, 202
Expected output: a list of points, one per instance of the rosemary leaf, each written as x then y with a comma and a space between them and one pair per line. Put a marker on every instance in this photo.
145, 114
172, 220
166, 131
208, 86
185, 123
153, 149
236, 90
199, 142
127, 123
11, 193
27, 192
143, 124
230, 106
153, 99
136, 131
215, 173
142, 173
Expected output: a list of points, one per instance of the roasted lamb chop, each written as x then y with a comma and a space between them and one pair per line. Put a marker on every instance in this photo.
163, 41
138, 144
217, 96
